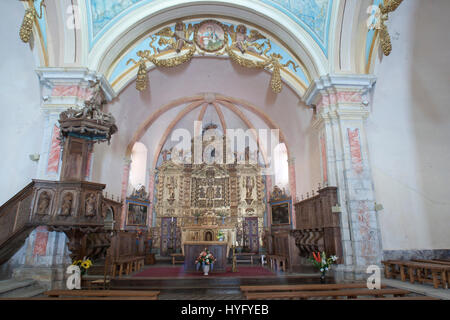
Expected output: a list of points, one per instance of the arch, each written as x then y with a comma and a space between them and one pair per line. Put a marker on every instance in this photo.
138, 166
139, 23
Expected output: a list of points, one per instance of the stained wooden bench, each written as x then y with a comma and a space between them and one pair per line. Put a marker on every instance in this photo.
277, 262
174, 258
444, 262
305, 287
420, 271
127, 265
103, 294
336, 294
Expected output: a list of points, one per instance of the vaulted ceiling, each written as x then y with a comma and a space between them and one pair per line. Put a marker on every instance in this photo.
321, 36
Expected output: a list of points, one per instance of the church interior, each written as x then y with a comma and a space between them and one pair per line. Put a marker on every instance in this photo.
225, 149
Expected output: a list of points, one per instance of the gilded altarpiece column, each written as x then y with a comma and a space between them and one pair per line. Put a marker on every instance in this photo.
341, 110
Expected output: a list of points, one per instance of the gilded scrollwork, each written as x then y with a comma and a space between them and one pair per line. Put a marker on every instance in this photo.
248, 49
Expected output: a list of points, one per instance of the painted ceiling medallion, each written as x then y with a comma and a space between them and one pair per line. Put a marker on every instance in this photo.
210, 36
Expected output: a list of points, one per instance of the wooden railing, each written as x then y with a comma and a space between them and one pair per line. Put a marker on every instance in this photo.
15, 224
76, 208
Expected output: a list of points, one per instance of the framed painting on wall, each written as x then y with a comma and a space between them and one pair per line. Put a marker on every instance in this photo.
281, 213
137, 213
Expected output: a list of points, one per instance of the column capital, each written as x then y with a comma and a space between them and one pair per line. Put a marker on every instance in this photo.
74, 77
334, 84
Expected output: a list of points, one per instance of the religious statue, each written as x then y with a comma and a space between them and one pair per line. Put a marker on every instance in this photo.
171, 186
43, 203
165, 153
140, 193
209, 196
90, 205
249, 184
66, 207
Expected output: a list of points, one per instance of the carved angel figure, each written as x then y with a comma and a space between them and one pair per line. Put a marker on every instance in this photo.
243, 42
178, 39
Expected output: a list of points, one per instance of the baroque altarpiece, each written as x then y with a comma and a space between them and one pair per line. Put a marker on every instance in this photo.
209, 202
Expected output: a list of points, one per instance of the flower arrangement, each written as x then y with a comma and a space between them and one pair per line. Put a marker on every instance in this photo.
322, 262
220, 235
205, 258
84, 265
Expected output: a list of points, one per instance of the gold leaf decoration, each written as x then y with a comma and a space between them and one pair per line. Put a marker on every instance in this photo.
26, 29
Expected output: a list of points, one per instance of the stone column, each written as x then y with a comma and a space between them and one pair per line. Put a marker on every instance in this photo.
341, 110
124, 191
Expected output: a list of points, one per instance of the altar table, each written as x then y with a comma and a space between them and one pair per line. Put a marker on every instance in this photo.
192, 250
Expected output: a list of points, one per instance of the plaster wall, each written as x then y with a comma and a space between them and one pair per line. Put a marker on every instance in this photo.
408, 130
21, 120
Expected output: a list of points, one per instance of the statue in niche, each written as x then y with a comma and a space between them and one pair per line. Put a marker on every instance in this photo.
209, 196
249, 184
43, 203
208, 236
218, 193
201, 192
66, 207
171, 186
165, 153
90, 205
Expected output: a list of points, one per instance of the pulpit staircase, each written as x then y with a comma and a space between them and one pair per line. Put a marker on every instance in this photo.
15, 225
41, 203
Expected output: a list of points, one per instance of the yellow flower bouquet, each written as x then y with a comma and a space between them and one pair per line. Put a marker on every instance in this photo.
84, 265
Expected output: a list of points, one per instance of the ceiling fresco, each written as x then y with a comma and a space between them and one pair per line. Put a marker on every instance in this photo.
312, 15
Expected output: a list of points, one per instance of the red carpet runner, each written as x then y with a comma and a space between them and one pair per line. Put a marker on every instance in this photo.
178, 272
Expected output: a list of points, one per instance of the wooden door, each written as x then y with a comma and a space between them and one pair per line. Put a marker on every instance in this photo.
170, 236
251, 236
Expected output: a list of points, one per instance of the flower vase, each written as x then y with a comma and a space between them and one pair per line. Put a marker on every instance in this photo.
323, 276
205, 269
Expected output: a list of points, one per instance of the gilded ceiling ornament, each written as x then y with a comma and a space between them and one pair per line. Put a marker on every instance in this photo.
271, 61
210, 36
385, 38
27, 25
177, 41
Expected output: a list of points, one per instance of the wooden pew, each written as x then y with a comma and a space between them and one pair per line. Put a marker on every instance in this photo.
175, 256
438, 274
277, 262
126, 254
103, 294
306, 287
336, 294
444, 262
